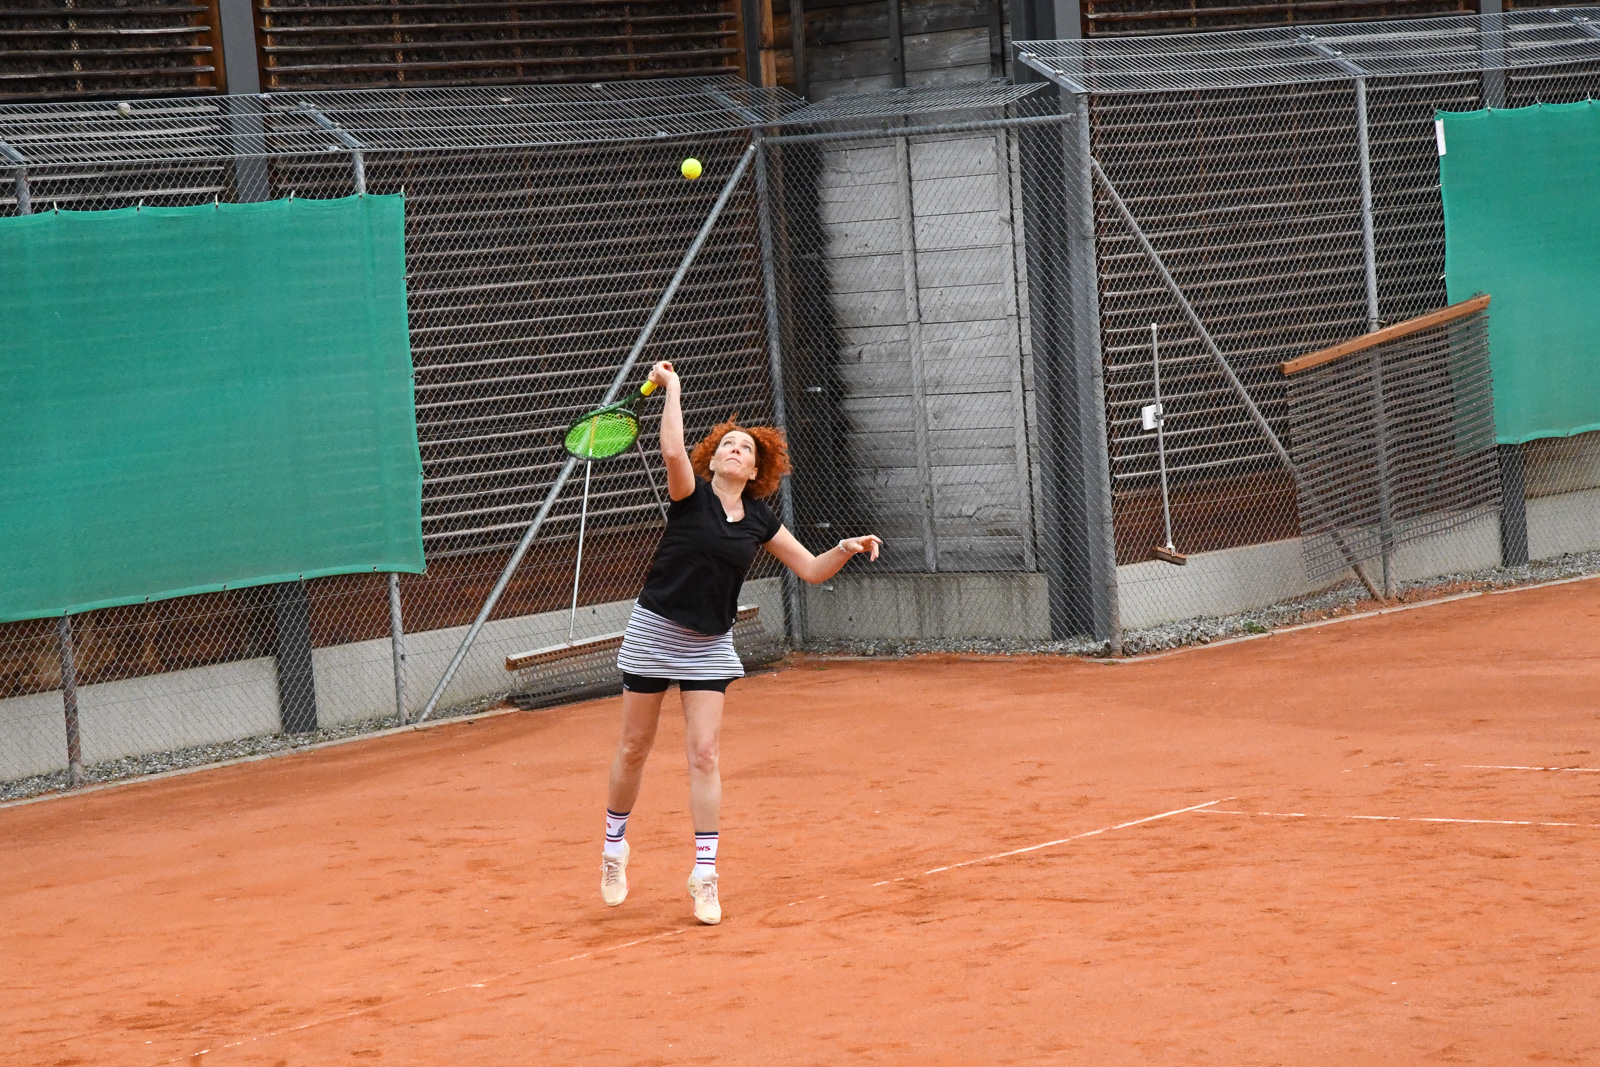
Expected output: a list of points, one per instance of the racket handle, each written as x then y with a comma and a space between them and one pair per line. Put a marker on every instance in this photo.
647, 388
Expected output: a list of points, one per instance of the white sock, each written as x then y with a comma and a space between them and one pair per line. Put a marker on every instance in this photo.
616, 827
705, 853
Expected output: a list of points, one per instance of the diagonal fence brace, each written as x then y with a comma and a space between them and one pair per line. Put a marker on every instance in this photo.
1210, 344
572, 461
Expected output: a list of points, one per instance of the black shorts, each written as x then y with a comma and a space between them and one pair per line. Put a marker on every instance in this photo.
638, 683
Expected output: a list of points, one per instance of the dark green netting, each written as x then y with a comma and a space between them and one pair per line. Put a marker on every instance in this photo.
203, 398
1522, 223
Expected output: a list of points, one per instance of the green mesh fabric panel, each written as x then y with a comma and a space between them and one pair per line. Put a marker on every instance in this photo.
203, 398
1522, 223
603, 435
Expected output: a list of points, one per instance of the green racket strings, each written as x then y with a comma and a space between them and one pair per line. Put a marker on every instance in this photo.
603, 435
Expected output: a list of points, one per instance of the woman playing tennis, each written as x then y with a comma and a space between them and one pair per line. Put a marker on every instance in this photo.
680, 632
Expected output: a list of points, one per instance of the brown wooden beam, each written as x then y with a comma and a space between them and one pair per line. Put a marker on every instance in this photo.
1388, 333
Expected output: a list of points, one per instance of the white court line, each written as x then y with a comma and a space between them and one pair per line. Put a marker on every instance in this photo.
1406, 818
1057, 841
192, 1057
1514, 767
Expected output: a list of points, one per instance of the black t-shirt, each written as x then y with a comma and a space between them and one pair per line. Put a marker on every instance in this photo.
700, 564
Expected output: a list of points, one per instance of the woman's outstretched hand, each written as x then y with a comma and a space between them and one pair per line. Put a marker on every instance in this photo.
857, 545
663, 375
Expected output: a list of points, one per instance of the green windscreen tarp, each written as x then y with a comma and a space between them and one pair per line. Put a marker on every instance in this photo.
1522, 223
203, 398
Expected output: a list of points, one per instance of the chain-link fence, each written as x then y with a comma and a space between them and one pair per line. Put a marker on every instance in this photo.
1259, 195
956, 300
543, 225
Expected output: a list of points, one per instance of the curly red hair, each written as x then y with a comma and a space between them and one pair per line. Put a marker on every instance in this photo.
772, 455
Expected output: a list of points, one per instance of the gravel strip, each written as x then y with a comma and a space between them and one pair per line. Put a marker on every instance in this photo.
159, 762
1346, 599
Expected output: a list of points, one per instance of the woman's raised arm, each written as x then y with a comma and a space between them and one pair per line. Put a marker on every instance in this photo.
674, 456
813, 569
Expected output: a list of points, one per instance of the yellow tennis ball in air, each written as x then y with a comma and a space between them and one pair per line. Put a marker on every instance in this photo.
691, 168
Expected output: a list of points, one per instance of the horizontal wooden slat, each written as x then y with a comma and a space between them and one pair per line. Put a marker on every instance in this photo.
135, 50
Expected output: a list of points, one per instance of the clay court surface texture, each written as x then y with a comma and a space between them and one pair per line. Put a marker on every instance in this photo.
1321, 847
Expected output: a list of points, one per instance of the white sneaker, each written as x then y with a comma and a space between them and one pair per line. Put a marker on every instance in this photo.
614, 878
704, 891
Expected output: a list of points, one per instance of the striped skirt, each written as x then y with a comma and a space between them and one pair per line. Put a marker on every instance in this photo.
656, 647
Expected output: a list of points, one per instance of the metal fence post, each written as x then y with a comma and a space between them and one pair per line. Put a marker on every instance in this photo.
1380, 414
69, 702
1076, 536
358, 165
19, 167
792, 605
1513, 506
397, 645
1492, 52
297, 685
251, 180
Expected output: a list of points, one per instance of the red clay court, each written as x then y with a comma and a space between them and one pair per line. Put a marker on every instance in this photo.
1371, 842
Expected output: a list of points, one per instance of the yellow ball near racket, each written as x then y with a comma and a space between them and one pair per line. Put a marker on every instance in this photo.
691, 168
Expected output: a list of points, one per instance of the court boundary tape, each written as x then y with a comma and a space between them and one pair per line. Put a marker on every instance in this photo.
1337, 619
1405, 818
480, 983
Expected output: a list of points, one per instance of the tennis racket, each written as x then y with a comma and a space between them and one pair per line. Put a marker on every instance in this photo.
608, 431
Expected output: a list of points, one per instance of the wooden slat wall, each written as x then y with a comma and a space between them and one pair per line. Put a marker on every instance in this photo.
83, 50
920, 258
351, 43
848, 47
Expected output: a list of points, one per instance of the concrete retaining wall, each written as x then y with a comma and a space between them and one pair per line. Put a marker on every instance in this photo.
228, 701
929, 607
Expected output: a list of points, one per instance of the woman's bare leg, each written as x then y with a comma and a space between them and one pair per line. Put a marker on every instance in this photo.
702, 717
640, 714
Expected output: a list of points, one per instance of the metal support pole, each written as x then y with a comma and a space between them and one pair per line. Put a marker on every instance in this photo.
1074, 533
297, 682
69, 702
1380, 411
572, 461
397, 644
792, 604
1513, 506
358, 165
655, 490
1380, 427
1369, 241
577, 569
1161, 429
1492, 53
1083, 267
19, 168
248, 130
